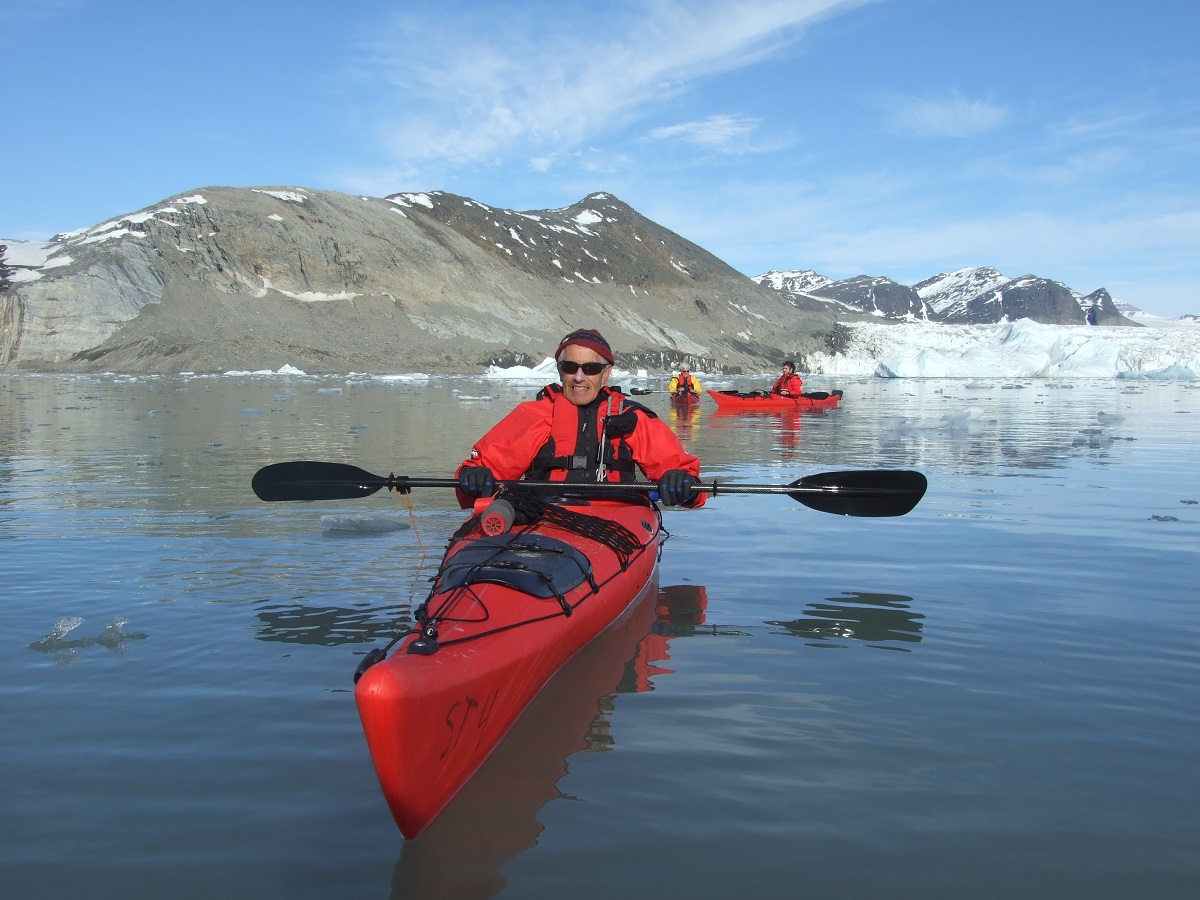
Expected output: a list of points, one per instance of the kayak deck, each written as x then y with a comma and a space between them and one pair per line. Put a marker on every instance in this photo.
506, 612
763, 400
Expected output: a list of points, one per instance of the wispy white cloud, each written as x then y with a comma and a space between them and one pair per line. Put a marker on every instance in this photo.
887, 224
473, 90
949, 116
721, 132
1047, 167
1103, 125
1075, 246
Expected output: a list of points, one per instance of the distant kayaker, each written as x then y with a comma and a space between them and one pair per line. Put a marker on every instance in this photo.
683, 383
581, 430
789, 383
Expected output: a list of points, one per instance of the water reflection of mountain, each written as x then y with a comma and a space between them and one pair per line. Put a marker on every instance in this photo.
331, 626
879, 620
970, 425
190, 444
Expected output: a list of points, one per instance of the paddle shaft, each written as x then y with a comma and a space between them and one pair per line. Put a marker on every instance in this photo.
403, 483
870, 492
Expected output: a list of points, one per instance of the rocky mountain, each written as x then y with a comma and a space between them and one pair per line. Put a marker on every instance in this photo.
223, 279
969, 296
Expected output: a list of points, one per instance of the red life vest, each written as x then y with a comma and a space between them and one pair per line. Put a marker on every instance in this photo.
785, 384
685, 383
573, 449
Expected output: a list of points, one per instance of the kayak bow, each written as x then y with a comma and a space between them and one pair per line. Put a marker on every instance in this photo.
505, 613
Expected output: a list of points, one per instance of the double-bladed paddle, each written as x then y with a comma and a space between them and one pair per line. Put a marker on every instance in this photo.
867, 492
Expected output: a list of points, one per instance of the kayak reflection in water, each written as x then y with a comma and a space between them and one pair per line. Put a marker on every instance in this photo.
494, 817
880, 620
581, 430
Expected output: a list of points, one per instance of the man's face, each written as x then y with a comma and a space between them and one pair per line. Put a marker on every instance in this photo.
579, 387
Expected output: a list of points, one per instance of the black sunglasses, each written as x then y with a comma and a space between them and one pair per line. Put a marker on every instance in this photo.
570, 368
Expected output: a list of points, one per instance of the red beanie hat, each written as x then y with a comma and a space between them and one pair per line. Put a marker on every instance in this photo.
586, 337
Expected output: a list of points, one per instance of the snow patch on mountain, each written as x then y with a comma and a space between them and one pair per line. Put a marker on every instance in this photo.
949, 293
803, 281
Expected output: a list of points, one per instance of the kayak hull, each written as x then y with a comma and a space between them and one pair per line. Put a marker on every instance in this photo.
430, 721
732, 400
685, 401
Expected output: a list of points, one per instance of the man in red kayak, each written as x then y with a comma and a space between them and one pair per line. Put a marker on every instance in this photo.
684, 384
789, 383
581, 430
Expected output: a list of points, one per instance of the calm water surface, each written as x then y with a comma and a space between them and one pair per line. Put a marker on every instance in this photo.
997, 695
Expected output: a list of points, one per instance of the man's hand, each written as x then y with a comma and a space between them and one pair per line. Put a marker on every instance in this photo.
676, 487
477, 481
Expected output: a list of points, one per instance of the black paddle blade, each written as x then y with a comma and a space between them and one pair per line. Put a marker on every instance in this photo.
305, 480
870, 492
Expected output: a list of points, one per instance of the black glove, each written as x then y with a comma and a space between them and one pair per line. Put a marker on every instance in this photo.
477, 481
676, 487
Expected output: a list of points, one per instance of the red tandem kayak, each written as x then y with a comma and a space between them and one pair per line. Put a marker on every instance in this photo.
505, 613
734, 400
684, 399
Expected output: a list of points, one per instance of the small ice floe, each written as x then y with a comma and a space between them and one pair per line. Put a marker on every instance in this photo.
470, 398
113, 638
950, 421
332, 390
63, 627
363, 523
1107, 418
1163, 519
250, 411
402, 376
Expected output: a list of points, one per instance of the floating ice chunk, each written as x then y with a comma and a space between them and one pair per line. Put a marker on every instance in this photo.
63, 627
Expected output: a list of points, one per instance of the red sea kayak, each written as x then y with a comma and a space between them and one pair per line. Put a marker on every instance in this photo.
684, 399
506, 611
734, 400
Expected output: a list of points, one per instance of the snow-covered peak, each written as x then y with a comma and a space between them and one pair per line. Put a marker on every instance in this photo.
945, 291
800, 281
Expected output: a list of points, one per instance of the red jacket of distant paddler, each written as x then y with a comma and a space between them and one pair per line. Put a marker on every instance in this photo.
551, 439
789, 384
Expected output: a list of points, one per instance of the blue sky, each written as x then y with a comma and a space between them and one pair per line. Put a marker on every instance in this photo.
899, 138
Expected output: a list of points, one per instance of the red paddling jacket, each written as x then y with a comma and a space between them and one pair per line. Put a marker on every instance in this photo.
790, 383
551, 439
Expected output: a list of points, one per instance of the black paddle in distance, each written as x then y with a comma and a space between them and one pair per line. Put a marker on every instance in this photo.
865, 492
